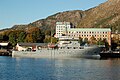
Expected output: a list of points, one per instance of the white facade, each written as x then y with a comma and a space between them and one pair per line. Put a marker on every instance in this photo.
65, 29
20, 48
61, 28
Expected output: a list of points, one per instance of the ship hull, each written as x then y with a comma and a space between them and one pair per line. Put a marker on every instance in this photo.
58, 53
113, 54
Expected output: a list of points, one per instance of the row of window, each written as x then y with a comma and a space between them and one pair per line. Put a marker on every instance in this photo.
89, 32
72, 47
90, 35
62, 26
85, 35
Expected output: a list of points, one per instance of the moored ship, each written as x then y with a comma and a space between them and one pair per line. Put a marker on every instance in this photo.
65, 48
110, 54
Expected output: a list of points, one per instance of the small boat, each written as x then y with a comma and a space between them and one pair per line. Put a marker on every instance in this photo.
110, 54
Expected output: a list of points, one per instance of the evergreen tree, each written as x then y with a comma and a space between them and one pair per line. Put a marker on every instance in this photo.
21, 37
12, 38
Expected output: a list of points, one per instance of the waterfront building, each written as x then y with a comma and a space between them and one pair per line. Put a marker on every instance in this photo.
61, 28
65, 28
98, 33
4, 45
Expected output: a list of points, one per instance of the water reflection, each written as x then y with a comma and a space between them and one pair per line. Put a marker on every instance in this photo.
59, 69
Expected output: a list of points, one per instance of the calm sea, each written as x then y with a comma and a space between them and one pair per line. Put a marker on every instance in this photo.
59, 69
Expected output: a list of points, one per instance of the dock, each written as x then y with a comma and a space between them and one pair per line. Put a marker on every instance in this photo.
5, 53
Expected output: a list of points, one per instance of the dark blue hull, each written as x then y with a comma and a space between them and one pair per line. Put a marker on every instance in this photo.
109, 55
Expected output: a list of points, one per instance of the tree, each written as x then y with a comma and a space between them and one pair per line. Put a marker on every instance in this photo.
29, 38
1, 38
47, 39
106, 44
85, 40
80, 40
54, 40
12, 38
21, 37
100, 42
93, 40
48, 32
35, 35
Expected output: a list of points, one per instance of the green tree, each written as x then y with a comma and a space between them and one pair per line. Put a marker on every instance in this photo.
21, 37
12, 38
1, 37
54, 40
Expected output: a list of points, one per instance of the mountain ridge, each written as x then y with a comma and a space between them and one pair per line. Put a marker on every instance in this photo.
105, 15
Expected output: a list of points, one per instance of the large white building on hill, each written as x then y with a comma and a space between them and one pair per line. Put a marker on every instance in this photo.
62, 28
66, 28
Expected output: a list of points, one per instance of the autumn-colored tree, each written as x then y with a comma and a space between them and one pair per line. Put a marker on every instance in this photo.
85, 40
93, 40
106, 44
29, 38
47, 39
48, 32
80, 40
35, 35
7, 32
100, 42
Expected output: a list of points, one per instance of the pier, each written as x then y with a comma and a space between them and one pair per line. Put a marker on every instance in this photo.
5, 53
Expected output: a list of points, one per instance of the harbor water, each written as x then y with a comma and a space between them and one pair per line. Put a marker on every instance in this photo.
59, 69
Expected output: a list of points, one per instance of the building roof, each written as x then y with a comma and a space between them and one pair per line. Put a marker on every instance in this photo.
4, 44
63, 23
90, 29
32, 44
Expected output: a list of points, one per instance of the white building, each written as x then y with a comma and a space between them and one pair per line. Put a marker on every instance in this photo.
61, 28
66, 29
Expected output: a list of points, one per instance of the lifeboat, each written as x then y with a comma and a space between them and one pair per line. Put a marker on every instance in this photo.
51, 45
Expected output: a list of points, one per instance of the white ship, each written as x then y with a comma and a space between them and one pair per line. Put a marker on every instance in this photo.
65, 48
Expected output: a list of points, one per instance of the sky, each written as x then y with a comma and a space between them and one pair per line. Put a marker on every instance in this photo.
15, 12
